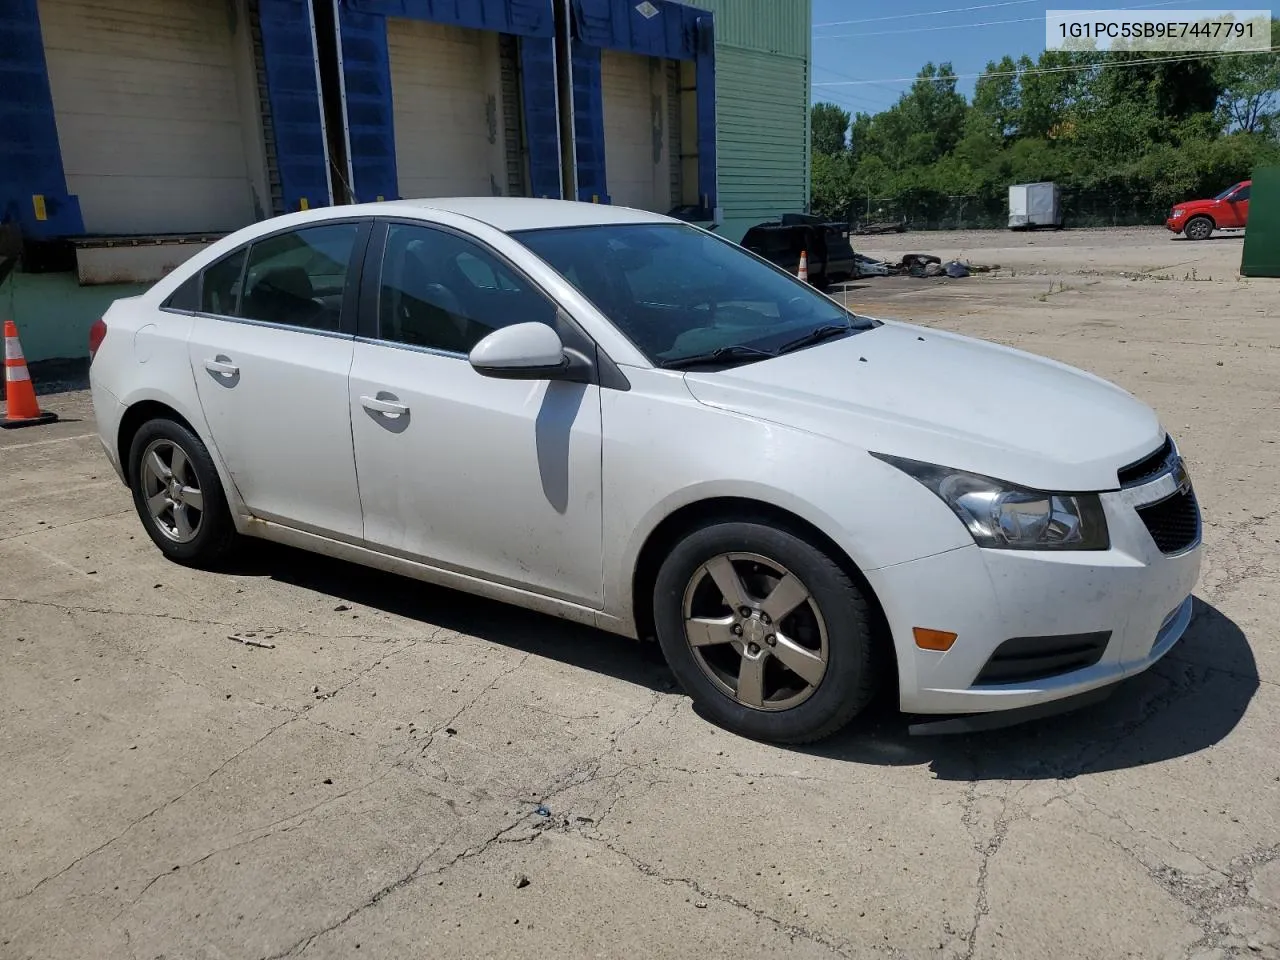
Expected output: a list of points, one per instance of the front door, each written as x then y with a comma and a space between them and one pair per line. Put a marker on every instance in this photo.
270, 351
1238, 204
493, 478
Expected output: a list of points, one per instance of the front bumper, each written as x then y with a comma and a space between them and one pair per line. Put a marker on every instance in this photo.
1136, 595
1175, 224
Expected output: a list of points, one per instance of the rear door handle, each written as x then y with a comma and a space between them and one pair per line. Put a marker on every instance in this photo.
221, 367
388, 407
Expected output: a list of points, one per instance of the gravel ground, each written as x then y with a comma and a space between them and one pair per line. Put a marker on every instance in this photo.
408, 772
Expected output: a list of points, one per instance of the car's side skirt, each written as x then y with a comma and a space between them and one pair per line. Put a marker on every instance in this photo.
354, 553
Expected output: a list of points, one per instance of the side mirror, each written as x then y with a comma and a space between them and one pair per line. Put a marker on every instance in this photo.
523, 351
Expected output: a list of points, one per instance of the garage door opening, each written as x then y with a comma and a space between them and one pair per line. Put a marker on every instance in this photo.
642, 130
456, 104
156, 113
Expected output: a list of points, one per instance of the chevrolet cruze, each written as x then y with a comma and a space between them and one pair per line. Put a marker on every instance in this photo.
620, 419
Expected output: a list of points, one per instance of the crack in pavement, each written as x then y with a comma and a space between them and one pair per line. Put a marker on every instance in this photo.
569, 780
374, 638
793, 930
294, 716
1206, 899
155, 810
61, 526
274, 829
1208, 904
986, 851
426, 743
302, 945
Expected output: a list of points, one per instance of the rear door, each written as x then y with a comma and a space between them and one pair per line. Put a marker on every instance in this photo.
271, 350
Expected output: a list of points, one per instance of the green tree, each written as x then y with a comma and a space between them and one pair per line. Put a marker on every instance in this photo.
1250, 84
994, 112
934, 108
859, 132
1125, 133
829, 129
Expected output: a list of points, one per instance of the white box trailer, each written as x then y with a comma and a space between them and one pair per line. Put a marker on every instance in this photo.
1035, 205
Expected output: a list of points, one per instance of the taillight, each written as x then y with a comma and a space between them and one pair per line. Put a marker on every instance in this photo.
96, 334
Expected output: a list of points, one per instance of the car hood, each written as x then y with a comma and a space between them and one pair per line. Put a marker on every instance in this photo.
942, 398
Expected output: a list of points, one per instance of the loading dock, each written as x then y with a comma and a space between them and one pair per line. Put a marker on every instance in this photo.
449, 99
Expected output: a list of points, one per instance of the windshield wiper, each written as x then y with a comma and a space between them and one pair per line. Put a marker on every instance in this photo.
732, 354
817, 335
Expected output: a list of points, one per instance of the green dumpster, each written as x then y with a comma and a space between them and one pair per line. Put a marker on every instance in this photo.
1262, 236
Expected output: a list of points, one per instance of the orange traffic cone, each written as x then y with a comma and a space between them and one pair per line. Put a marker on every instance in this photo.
804, 266
22, 409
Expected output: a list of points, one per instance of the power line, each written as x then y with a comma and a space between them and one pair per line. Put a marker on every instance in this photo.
949, 26
1073, 68
849, 76
871, 109
924, 13
980, 23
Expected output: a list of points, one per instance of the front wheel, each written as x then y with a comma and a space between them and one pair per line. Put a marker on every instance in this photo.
1198, 228
178, 495
767, 633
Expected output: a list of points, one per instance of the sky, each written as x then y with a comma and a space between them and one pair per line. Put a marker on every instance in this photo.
893, 41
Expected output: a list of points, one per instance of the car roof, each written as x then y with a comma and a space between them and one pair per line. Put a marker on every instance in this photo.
513, 213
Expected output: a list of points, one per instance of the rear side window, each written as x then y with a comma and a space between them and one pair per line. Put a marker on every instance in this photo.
299, 278
220, 290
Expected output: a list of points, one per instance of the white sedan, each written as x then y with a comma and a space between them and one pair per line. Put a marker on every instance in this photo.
620, 419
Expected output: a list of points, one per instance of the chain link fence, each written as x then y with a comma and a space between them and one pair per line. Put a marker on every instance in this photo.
1080, 208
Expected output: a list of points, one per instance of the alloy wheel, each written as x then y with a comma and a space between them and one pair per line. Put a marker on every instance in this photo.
756, 631
171, 488
1199, 229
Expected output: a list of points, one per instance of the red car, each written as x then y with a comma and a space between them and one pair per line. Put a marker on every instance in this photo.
1197, 219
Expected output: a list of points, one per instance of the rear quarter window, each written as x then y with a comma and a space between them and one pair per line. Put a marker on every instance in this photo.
220, 287
186, 297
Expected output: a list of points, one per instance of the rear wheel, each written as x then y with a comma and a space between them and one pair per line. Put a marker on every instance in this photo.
178, 496
1198, 228
767, 633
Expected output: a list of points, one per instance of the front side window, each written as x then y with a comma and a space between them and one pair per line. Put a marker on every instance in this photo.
299, 278
1241, 194
444, 292
679, 293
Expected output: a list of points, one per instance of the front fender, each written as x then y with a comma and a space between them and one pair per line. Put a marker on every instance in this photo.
876, 514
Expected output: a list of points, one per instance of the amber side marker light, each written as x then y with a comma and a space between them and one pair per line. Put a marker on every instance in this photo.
927, 639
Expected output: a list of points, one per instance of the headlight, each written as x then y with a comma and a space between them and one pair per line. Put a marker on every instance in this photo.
1001, 515
1178, 213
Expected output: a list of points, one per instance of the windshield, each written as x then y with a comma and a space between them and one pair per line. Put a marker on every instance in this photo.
679, 293
1227, 192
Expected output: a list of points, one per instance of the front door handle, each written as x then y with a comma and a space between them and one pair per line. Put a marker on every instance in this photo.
380, 405
221, 366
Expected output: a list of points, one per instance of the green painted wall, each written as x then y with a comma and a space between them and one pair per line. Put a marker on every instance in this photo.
763, 77
54, 312
1261, 257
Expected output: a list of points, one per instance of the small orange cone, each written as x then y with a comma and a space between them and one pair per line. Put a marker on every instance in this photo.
804, 266
22, 409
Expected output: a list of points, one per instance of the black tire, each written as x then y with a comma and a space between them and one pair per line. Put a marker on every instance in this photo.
852, 672
215, 535
1198, 228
